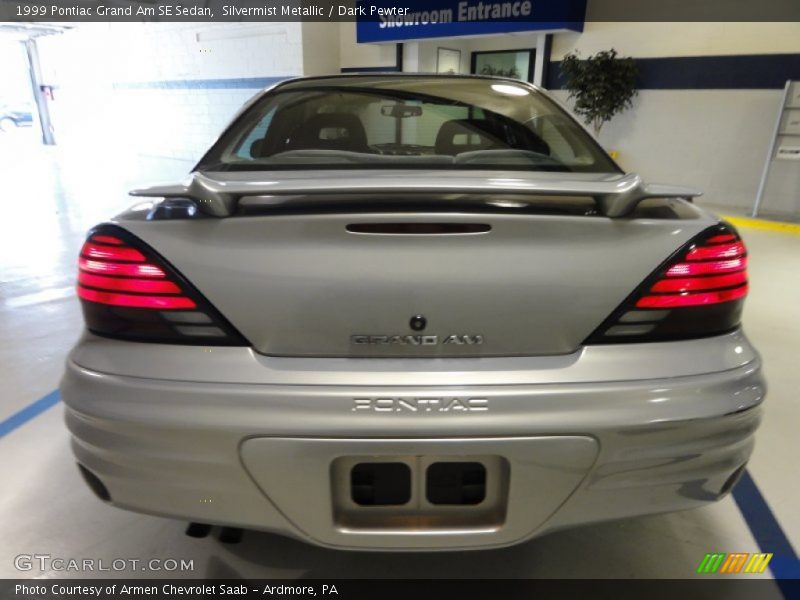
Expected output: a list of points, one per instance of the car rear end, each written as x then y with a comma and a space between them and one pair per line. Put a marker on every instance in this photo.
430, 359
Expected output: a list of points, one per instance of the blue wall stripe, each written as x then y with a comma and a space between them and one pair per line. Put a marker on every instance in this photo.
741, 72
235, 83
766, 529
28, 413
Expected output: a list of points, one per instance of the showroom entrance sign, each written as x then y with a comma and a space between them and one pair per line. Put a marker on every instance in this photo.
424, 19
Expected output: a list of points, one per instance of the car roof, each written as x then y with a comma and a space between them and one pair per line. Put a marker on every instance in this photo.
368, 79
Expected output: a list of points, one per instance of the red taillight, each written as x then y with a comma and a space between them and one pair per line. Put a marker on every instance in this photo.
719, 239
700, 299
692, 284
707, 268
716, 251
112, 253
128, 291
106, 270
698, 292
108, 239
720, 280
124, 284
135, 300
102, 267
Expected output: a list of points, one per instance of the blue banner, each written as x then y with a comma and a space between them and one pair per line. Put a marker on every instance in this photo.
399, 20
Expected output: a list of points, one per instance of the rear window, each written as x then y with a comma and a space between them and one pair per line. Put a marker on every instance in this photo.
410, 122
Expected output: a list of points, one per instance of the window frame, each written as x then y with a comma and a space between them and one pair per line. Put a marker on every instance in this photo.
208, 162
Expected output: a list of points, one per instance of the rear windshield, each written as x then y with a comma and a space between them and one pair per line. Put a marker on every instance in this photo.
428, 123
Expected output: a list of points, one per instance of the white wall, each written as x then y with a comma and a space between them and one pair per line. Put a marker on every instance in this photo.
109, 99
716, 140
321, 48
650, 40
360, 56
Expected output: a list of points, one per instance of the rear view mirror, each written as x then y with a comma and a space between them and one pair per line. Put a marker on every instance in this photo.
401, 111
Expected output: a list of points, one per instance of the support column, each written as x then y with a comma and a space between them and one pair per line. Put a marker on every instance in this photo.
543, 44
411, 57
35, 71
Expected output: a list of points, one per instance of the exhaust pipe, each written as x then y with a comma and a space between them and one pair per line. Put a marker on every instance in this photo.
198, 530
94, 483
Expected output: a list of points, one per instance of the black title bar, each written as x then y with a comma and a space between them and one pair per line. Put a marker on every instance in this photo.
388, 589
32, 11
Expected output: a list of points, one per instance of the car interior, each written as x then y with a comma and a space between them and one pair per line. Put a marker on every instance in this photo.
326, 127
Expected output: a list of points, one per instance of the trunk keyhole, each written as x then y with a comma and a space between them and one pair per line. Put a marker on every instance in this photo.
418, 322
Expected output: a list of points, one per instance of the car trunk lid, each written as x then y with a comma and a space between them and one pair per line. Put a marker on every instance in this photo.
349, 281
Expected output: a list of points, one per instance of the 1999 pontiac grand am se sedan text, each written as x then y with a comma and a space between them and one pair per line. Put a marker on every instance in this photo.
411, 312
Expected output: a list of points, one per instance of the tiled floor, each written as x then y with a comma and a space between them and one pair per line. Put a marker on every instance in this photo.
50, 198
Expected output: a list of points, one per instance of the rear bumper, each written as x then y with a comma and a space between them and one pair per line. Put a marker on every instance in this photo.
262, 455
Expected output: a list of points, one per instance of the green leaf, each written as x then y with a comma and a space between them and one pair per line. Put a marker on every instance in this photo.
602, 85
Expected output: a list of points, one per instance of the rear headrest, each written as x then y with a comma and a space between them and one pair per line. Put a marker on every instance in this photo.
330, 131
485, 134
477, 135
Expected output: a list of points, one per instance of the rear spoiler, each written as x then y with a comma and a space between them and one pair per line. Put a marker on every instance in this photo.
615, 198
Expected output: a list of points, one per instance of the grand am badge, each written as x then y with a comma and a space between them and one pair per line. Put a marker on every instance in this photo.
416, 340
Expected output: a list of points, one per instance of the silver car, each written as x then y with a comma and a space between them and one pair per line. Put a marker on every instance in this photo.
411, 312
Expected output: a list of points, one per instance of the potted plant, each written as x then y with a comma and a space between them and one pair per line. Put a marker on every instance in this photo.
602, 85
